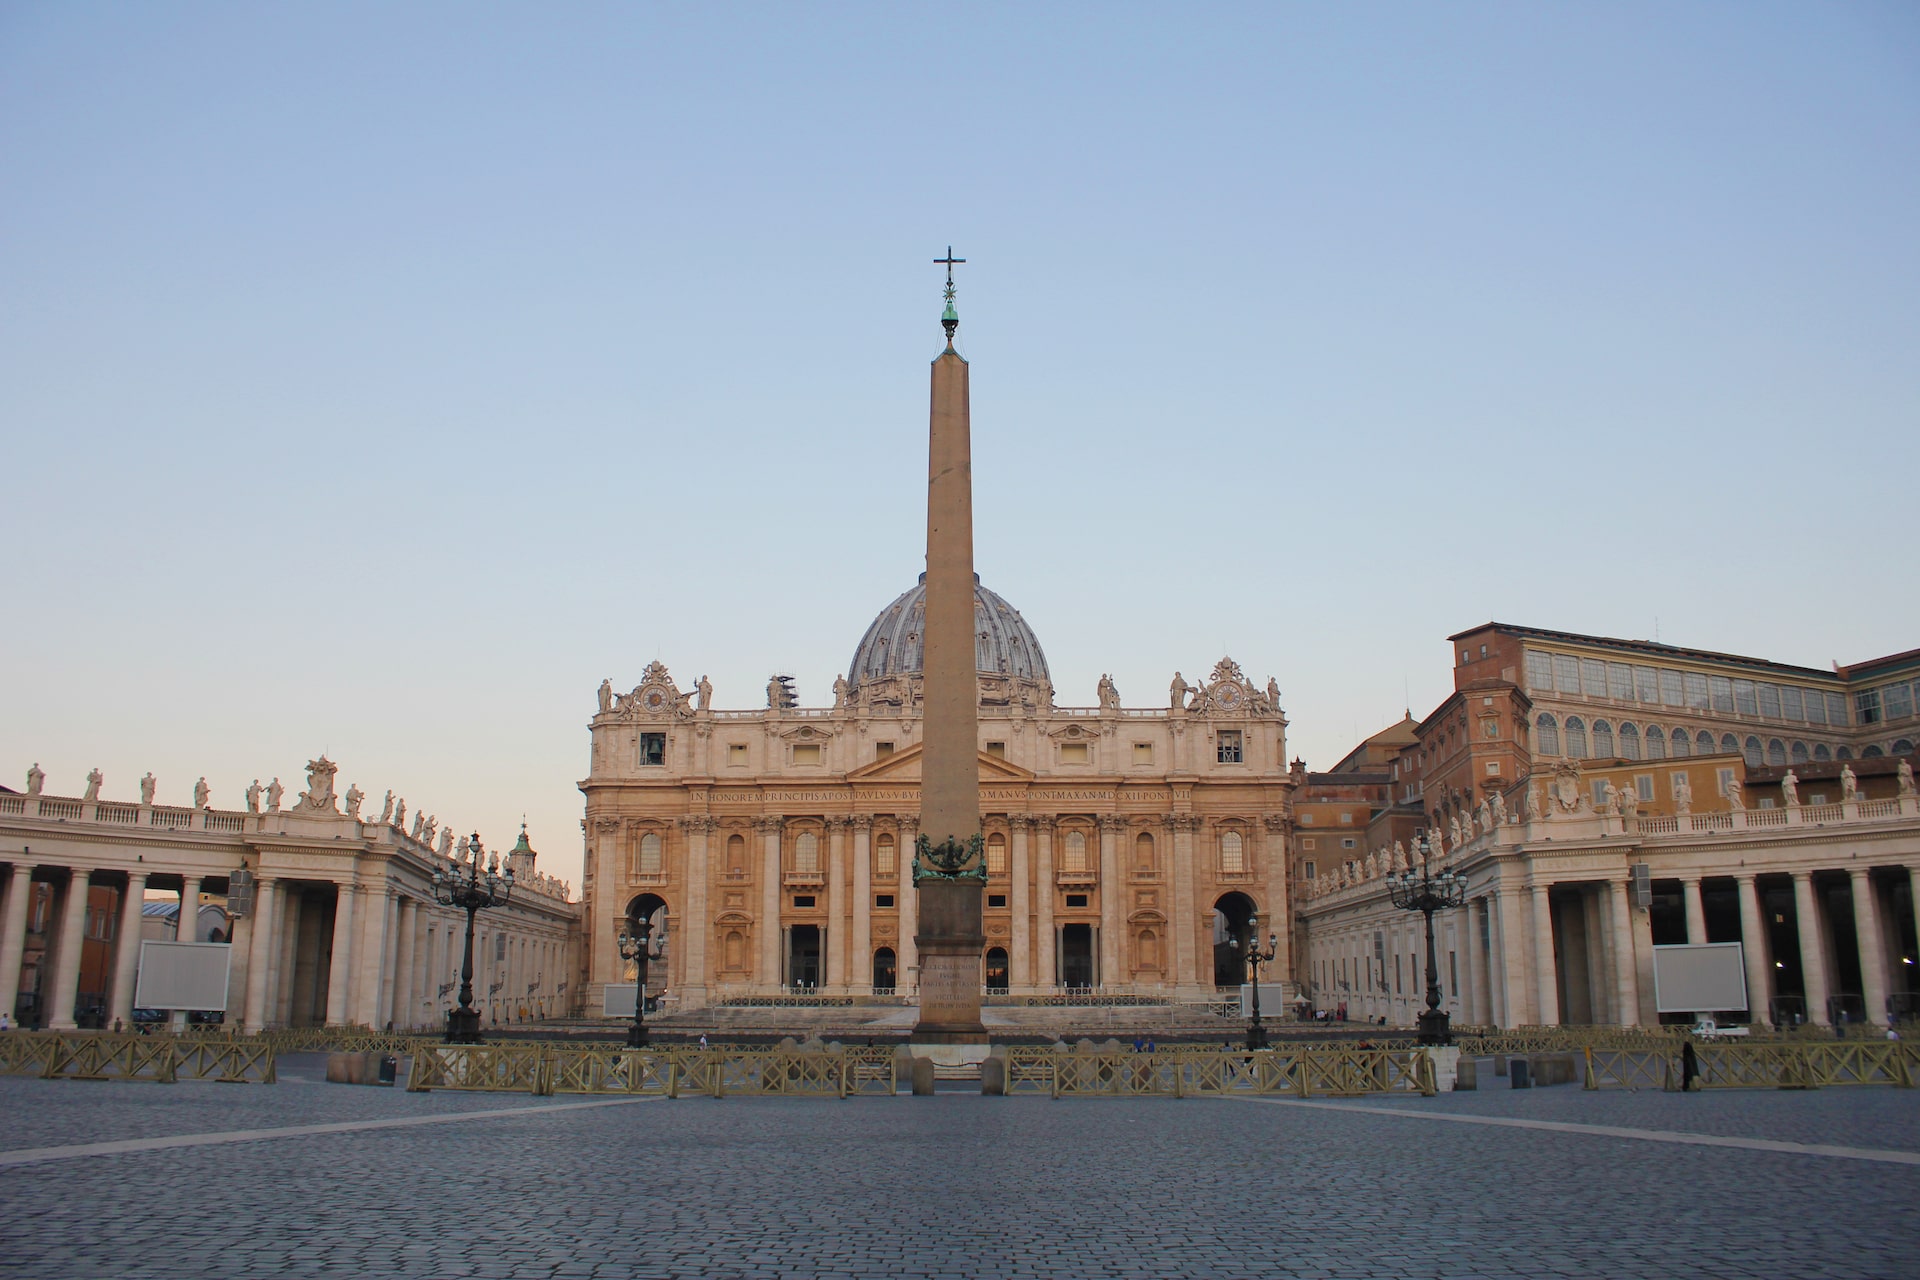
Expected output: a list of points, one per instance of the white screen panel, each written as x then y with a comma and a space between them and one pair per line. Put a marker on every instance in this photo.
183, 975
1699, 977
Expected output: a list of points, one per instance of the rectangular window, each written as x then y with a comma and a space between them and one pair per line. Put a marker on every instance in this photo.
1306, 819
499, 947
1346, 819
806, 753
1770, 701
1722, 690
1619, 681
1566, 673
1646, 683
1697, 691
803, 900
736, 755
1227, 747
1643, 786
1347, 842
1836, 710
998, 750
1866, 707
1074, 753
1143, 753
1076, 899
1670, 694
883, 901
1593, 677
1816, 707
1744, 700
1539, 672
653, 748
1306, 842
1307, 868
881, 750
1493, 768
1897, 701
1790, 706
996, 899
1453, 973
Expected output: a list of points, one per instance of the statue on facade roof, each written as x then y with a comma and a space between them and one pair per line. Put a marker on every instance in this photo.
94, 779
1109, 693
1734, 792
146, 789
354, 798
1849, 785
1399, 857
1682, 794
400, 815
1178, 690
1904, 772
705, 688
1486, 815
36, 779
426, 831
840, 691
606, 696
253, 796
446, 843
1629, 802
1499, 809
1273, 692
419, 818
200, 794
386, 809
1790, 789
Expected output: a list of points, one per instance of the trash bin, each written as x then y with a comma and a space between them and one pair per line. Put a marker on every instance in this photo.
389, 1069
1519, 1073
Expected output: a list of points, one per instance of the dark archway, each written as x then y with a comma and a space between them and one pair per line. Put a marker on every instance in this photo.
803, 956
650, 908
1232, 926
997, 971
1076, 955
883, 971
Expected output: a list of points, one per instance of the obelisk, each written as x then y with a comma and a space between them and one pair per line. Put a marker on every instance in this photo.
949, 870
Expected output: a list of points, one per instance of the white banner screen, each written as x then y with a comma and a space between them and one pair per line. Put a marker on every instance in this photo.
619, 1000
1703, 977
183, 975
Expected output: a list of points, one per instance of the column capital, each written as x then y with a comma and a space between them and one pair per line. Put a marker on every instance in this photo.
1020, 821
1744, 877
771, 823
1112, 822
1690, 879
1043, 822
861, 821
1858, 874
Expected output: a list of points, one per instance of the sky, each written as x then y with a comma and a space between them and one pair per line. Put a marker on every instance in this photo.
376, 379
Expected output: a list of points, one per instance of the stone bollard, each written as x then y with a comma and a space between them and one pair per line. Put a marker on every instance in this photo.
993, 1078
1466, 1075
1499, 1064
354, 1068
923, 1077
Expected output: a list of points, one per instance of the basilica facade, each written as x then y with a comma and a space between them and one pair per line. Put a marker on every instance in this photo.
1127, 848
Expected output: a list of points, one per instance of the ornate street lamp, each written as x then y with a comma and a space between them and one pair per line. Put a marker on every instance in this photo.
1250, 952
639, 945
1427, 892
471, 888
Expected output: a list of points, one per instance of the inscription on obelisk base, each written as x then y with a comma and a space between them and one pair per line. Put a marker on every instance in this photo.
948, 873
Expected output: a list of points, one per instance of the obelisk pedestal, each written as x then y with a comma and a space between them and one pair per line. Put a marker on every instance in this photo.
949, 867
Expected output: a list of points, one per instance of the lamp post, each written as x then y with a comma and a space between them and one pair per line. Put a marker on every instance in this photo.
1250, 952
638, 945
472, 888
1427, 892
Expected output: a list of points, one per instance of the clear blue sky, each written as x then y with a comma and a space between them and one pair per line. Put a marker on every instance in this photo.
379, 378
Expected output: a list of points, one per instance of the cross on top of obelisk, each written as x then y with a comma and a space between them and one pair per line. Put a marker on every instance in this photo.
950, 318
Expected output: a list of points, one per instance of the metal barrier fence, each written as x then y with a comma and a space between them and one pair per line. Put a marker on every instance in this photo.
1197, 1073
158, 1059
1761, 1065
545, 1069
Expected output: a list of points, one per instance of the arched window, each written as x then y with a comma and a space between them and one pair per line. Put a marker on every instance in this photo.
1822, 752
1546, 736
1776, 751
1729, 745
649, 863
883, 856
1233, 853
996, 855
1752, 750
1602, 739
1656, 743
1629, 742
1148, 949
997, 970
1682, 744
1843, 753
883, 979
736, 853
1143, 852
1576, 737
1904, 747
1703, 743
1799, 753
806, 854
1076, 853
1872, 753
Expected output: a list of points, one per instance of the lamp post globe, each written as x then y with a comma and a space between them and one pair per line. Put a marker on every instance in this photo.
474, 886
1251, 952
639, 944
1428, 891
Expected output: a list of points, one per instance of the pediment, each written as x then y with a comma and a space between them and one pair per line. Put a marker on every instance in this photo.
904, 766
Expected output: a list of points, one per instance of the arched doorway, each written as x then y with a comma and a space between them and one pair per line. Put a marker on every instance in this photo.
650, 910
883, 972
996, 971
1232, 926
803, 956
1076, 955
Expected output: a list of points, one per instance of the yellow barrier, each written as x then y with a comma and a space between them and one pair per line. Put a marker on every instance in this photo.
158, 1059
1762, 1065
1185, 1073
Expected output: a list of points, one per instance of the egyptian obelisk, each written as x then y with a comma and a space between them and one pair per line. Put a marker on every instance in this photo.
949, 868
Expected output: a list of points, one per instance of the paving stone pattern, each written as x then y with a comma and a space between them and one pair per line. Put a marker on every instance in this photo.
951, 1186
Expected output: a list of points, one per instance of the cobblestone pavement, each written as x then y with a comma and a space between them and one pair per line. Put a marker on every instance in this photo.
950, 1186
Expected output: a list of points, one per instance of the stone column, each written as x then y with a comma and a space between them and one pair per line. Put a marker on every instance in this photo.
1626, 980
13, 935
1754, 949
1481, 1010
1813, 960
374, 970
1113, 902
260, 952
66, 958
860, 975
398, 1012
417, 981
1020, 975
1546, 978
906, 959
186, 928
126, 951
1513, 965
1696, 909
1184, 916
834, 953
1873, 951
695, 926
340, 970
1279, 917
1046, 976
771, 961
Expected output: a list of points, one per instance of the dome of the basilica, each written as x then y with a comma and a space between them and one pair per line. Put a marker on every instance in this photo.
1003, 642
